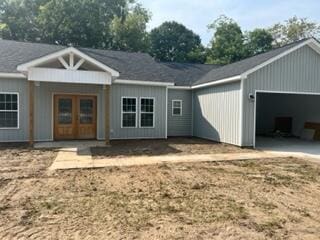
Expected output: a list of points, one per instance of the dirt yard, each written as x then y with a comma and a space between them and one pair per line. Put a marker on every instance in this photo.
256, 199
177, 146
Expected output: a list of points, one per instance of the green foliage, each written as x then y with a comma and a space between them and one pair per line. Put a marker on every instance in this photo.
294, 29
227, 45
173, 42
129, 32
86, 23
259, 41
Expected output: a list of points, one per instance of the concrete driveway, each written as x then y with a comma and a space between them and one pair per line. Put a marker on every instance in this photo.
289, 147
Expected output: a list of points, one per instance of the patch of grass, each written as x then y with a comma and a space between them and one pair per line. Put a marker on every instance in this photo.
270, 227
276, 179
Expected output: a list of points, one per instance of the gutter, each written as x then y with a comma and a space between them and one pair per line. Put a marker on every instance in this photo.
219, 82
146, 83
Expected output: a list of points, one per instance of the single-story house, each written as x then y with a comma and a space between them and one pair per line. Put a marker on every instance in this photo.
50, 92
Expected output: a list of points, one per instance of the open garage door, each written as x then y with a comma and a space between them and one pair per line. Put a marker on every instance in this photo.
287, 122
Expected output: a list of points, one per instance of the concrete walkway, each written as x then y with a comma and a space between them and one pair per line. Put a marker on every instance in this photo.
72, 159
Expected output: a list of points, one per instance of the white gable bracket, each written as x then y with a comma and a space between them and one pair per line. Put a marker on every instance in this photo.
59, 55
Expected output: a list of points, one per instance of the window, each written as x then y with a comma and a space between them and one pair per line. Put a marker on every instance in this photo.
129, 112
147, 112
176, 108
9, 110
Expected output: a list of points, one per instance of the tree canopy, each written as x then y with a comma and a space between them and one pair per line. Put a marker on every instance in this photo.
294, 29
173, 42
122, 25
227, 45
258, 41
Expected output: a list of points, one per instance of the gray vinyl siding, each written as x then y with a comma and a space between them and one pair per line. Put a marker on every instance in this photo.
121, 90
217, 113
180, 125
297, 72
44, 106
20, 86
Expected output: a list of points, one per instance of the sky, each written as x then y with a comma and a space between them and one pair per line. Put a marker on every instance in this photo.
249, 14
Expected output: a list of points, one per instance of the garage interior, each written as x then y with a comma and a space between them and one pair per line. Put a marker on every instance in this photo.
288, 122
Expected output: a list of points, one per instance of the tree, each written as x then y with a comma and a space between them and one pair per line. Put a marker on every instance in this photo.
227, 45
173, 42
259, 41
294, 29
83, 23
129, 32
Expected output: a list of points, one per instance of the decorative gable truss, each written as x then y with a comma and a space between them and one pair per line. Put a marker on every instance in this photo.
45, 69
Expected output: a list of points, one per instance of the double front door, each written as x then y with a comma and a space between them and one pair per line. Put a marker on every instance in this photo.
75, 117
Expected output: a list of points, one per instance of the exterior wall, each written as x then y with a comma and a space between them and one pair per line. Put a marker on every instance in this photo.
180, 125
121, 90
44, 106
217, 113
297, 72
44, 109
20, 86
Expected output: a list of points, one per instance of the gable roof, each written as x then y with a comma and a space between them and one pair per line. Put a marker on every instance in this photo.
141, 66
240, 67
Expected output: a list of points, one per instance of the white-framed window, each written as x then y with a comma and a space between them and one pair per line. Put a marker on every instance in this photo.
128, 112
176, 107
9, 110
147, 112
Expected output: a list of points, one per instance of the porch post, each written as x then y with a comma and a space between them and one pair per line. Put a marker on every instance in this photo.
31, 112
107, 113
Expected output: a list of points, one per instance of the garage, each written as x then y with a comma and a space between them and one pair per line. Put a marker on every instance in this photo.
287, 122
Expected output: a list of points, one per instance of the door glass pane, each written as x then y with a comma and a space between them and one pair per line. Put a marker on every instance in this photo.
86, 111
65, 111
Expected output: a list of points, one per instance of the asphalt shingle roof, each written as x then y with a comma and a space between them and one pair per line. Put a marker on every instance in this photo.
242, 66
136, 66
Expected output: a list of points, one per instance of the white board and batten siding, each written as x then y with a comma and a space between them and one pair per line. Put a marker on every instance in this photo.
298, 72
217, 113
180, 125
68, 76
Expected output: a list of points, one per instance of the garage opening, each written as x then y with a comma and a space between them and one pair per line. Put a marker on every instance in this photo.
288, 122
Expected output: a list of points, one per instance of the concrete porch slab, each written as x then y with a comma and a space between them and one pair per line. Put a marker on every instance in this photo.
70, 144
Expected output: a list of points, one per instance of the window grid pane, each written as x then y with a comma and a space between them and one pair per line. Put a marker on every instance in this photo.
8, 110
176, 108
129, 108
147, 112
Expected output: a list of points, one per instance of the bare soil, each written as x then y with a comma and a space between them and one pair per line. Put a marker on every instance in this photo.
171, 146
255, 199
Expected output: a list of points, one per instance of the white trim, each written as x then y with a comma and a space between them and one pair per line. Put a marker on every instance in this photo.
63, 62
312, 43
172, 107
136, 112
147, 83
71, 60
153, 113
166, 130
180, 87
277, 92
12, 75
17, 111
241, 103
78, 64
71, 50
192, 112
218, 82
